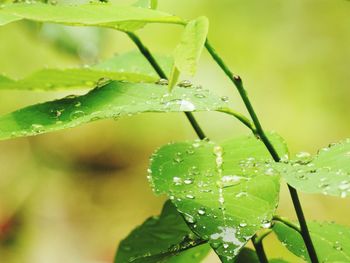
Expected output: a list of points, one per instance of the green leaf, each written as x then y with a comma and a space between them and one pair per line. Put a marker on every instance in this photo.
131, 67
7, 18
174, 77
147, 4
331, 241
166, 238
327, 173
125, 18
188, 52
113, 100
221, 197
247, 255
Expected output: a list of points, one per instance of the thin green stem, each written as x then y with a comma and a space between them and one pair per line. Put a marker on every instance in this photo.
287, 223
259, 247
237, 81
148, 55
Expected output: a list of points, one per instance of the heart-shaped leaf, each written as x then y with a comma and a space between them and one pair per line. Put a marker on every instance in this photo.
166, 238
223, 198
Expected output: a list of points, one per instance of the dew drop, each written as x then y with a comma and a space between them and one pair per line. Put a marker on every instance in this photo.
162, 82
201, 211
224, 98
77, 114
188, 181
185, 84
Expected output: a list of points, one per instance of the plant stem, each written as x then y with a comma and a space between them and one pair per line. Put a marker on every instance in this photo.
148, 55
259, 247
237, 81
287, 223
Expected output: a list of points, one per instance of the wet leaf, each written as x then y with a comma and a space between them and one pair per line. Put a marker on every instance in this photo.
331, 241
328, 172
221, 195
132, 67
114, 100
166, 238
125, 18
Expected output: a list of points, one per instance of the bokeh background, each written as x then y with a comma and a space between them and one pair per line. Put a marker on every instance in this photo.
71, 196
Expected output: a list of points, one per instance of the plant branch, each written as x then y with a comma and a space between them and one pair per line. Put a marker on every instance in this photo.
148, 55
288, 223
259, 247
237, 81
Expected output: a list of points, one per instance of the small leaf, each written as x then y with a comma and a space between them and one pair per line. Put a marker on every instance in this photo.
223, 198
113, 100
331, 241
132, 67
162, 239
174, 77
125, 18
147, 4
327, 173
188, 52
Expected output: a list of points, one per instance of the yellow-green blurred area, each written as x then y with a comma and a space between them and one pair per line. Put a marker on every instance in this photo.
71, 196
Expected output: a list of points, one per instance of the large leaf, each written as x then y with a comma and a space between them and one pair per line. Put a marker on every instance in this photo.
125, 18
161, 239
332, 241
113, 100
327, 173
188, 52
222, 198
132, 67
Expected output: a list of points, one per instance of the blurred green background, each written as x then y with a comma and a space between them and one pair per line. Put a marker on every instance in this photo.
71, 196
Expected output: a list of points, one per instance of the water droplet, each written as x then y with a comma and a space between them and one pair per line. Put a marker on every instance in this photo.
224, 98
265, 224
77, 104
201, 211
177, 180
37, 128
200, 95
303, 155
190, 219
243, 224
102, 82
186, 106
338, 246
193, 170
190, 196
188, 181
77, 114
185, 84
162, 82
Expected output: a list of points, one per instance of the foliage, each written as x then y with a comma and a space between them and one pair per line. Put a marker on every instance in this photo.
221, 194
